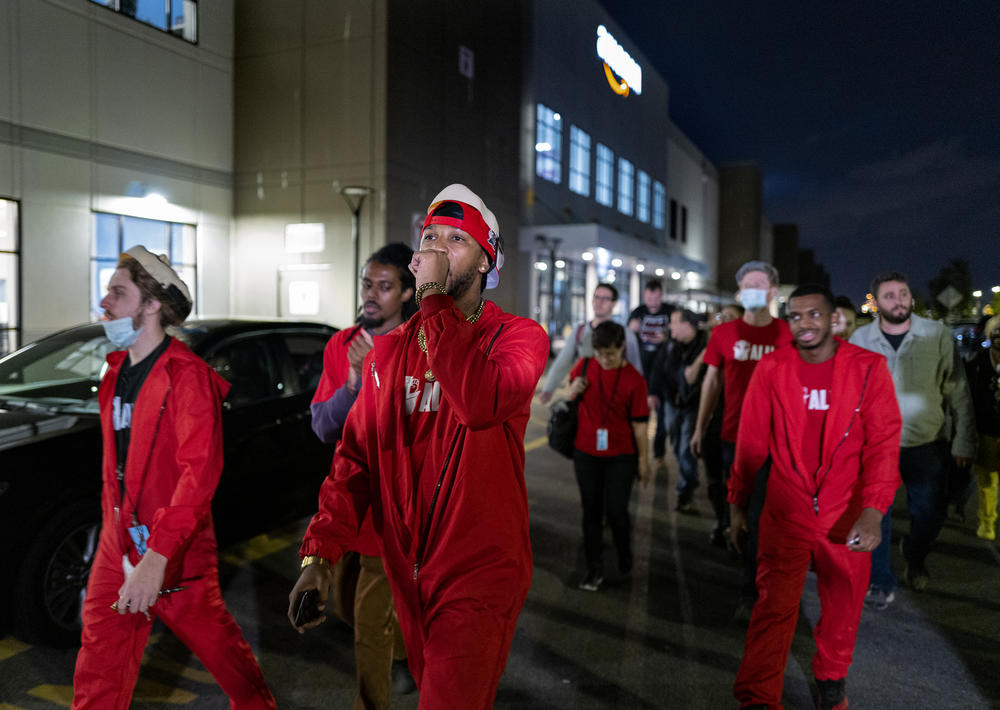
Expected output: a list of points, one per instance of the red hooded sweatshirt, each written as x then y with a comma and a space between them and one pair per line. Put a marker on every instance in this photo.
859, 458
447, 498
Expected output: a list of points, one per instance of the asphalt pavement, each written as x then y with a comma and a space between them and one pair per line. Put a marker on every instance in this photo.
664, 637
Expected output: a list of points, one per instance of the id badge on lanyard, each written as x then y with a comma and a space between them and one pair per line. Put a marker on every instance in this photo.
139, 535
602, 439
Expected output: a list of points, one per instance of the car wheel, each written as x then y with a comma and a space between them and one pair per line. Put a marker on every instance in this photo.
49, 591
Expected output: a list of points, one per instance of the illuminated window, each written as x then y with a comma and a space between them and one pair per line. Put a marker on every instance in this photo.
10, 289
626, 186
659, 204
178, 17
604, 177
548, 144
642, 197
579, 161
116, 233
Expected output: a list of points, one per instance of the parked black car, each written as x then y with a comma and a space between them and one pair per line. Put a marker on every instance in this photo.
50, 455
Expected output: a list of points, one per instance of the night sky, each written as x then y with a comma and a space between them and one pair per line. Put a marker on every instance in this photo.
877, 124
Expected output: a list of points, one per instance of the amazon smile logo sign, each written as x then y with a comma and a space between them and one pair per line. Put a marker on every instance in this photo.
624, 73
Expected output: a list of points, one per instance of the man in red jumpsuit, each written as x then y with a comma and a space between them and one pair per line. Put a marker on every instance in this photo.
825, 412
387, 288
162, 426
433, 450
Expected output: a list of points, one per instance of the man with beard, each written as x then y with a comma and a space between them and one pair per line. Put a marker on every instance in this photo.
433, 451
387, 288
823, 412
930, 385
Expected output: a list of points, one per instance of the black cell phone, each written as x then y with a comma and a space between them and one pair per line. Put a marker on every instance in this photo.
306, 609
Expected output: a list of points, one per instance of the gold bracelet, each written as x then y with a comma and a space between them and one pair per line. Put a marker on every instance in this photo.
429, 285
314, 560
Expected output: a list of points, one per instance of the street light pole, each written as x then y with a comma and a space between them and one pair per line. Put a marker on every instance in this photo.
354, 196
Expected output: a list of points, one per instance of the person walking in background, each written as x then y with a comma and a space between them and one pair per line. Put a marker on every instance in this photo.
433, 451
387, 289
983, 373
711, 444
929, 381
733, 352
161, 420
578, 345
650, 321
675, 388
609, 446
846, 318
823, 412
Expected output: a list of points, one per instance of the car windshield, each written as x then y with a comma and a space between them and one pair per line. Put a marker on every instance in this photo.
61, 371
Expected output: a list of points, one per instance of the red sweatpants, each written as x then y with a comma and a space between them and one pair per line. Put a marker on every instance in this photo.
107, 666
782, 562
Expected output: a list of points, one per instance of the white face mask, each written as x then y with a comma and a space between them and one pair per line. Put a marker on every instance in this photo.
753, 299
120, 332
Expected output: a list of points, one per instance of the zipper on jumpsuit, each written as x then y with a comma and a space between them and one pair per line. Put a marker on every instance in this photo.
850, 425
437, 489
430, 513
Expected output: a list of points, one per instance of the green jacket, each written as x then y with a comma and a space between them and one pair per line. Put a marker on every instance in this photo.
931, 388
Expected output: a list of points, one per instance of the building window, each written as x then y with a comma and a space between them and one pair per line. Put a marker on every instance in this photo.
117, 233
548, 144
178, 17
659, 202
626, 186
642, 197
604, 178
684, 224
579, 161
10, 284
673, 219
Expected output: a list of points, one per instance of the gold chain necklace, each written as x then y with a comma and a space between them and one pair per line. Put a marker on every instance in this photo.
422, 340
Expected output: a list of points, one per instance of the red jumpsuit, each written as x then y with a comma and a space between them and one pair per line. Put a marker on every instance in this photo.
174, 459
807, 516
447, 494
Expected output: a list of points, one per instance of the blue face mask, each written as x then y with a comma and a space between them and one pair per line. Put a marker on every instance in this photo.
120, 332
753, 299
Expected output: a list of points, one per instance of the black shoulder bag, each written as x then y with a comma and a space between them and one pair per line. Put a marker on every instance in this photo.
562, 422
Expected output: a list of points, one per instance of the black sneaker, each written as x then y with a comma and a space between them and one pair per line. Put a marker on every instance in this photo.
402, 679
831, 694
625, 564
592, 582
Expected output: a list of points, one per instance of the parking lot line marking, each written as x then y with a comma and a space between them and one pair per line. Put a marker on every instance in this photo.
179, 669
535, 443
10, 646
256, 548
58, 694
150, 691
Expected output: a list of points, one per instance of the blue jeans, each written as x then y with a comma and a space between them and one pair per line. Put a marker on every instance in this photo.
680, 425
924, 470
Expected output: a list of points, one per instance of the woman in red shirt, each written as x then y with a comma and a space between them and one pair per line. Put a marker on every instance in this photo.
611, 416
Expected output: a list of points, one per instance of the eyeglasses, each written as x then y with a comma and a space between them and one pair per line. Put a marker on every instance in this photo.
603, 298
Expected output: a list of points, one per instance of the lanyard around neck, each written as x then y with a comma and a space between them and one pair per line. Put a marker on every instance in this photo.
600, 392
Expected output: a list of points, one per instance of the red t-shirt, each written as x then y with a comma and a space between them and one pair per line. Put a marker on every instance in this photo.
422, 400
613, 400
817, 394
735, 348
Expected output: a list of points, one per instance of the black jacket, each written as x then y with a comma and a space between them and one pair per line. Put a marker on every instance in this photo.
667, 377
